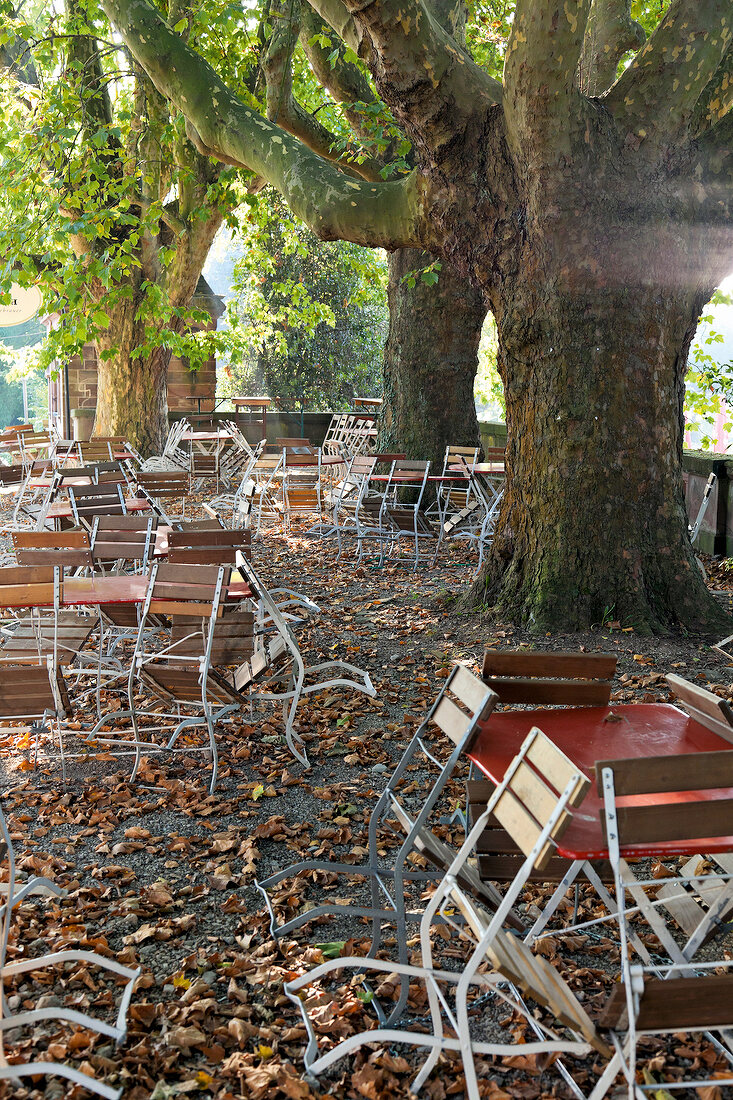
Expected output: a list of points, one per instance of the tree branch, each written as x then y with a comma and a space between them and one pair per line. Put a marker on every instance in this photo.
282, 106
429, 81
656, 96
390, 215
609, 34
338, 18
717, 99
540, 91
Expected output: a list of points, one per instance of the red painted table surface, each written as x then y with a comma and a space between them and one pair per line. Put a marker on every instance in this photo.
104, 589
61, 509
588, 734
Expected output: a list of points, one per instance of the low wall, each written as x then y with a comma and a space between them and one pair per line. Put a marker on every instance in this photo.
716, 531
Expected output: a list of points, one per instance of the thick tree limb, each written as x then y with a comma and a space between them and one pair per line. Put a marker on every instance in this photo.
334, 13
389, 215
283, 107
540, 92
344, 81
609, 34
717, 99
429, 81
656, 96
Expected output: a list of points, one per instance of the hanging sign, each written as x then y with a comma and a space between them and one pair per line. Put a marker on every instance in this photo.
25, 302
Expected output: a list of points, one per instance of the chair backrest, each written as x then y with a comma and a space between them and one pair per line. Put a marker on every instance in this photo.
71, 548
32, 689
687, 814
706, 708
211, 546
124, 538
13, 430
463, 456
294, 443
164, 483
463, 703
184, 589
12, 475
96, 450
96, 500
566, 679
29, 585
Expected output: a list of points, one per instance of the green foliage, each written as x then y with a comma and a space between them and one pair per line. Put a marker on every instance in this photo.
708, 383
308, 320
89, 160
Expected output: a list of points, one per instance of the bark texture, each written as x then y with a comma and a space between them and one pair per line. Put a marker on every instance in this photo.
430, 360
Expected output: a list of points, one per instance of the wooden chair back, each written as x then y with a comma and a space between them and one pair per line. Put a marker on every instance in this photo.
531, 794
124, 538
560, 679
164, 483
463, 704
671, 819
71, 548
184, 589
12, 476
96, 500
296, 444
31, 689
27, 586
14, 430
232, 642
96, 450
709, 710
211, 546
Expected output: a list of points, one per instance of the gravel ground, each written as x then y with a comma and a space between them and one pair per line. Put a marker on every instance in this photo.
161, 875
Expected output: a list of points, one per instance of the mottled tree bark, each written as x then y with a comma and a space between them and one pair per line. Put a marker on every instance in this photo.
430, 360
593, 521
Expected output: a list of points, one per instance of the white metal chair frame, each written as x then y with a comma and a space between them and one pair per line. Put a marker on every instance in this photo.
449, 895
10, 1022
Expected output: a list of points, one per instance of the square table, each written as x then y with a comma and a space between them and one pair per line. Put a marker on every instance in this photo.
587, 734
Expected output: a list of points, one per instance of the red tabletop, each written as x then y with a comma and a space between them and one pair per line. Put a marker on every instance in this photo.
105, 588
61, 509
588, 734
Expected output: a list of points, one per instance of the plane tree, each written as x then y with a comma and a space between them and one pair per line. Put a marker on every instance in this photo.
106, 206
596, 227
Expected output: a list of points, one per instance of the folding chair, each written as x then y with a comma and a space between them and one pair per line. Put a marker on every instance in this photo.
401, 515
35, 689
180, 672
345, 498
236, 507
174, 457
534, 801
31, 1017
462, 703
301, 486
277, 657
96, 500
699, 896
538, 678
681, 996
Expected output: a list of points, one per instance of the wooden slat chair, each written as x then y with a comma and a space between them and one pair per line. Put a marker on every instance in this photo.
96, 500
236, 455
699, 896
180, 672
123, 542
395, 880
267, 494
401, 515
530, 678
235, 508
33, 689
35, 446
301, 487
681, 996
12, 1069
534, 801
211, 546
164, 485
278, 658
71, 548
346, 497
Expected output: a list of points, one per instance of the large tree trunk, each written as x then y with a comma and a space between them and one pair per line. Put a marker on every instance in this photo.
593, 521
430, 360
132, 390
